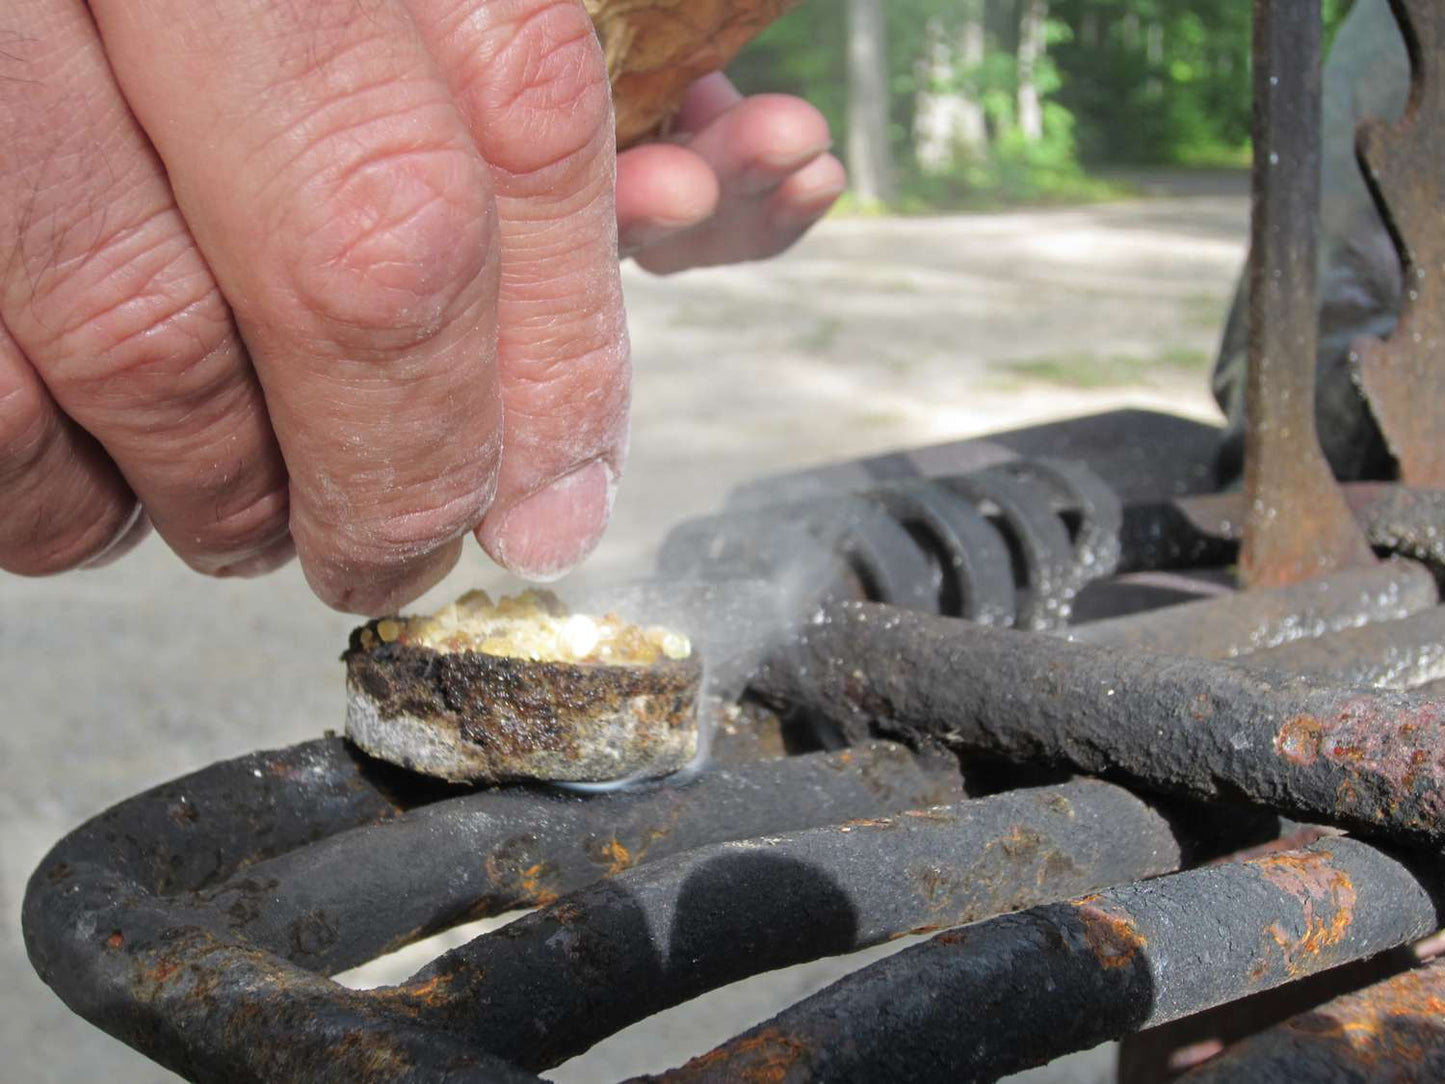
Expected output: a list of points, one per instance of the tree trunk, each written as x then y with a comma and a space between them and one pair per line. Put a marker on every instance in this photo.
1154, 54
949, 119
1033, 15
870, 160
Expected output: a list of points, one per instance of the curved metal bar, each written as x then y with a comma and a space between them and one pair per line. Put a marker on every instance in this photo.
1365, 759
1017, 991
1082, 492
977, 573
219, 982
1391, 1031
1044, 547
692, 923
347, 899
1238, 625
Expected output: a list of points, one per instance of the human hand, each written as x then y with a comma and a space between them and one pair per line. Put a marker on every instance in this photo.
333, 276
742, 180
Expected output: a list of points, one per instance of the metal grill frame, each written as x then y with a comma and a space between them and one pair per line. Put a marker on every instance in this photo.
198, 922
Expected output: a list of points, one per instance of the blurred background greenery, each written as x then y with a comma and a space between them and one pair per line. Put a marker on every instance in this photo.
965, 104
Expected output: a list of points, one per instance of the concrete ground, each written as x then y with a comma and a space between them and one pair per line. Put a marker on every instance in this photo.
874, 334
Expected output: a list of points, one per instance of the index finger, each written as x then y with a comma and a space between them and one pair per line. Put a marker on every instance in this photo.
337, 195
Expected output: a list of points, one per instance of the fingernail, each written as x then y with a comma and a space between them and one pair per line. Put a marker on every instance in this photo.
641, 237
807, 207
769, 172
130, 535
268, 560
546, 534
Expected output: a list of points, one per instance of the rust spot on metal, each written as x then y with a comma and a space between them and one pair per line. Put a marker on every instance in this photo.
617, 857
764, 1057
1113, 938
916, 931
1021, 842
1299, 739
1327, 900
531, 882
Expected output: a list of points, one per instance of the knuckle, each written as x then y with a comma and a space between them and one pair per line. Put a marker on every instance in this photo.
136, 323
401, 528
543, 94
387, 253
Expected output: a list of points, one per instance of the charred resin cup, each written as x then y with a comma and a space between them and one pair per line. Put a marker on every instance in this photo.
522, 690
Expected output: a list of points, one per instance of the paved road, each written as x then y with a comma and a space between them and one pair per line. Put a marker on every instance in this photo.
872, 335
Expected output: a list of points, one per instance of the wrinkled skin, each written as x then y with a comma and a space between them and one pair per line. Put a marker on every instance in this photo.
340, 279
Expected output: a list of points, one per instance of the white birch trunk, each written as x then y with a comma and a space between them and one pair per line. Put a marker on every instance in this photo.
949, 120
870, 160
1033, 15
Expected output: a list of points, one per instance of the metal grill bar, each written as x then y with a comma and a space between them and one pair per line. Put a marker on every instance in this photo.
1365, 759
689, 924
499, 850
1392, 1031
1018, 991
1240, 624
1388, 655
191, 987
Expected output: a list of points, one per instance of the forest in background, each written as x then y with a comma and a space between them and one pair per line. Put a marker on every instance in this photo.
942, 104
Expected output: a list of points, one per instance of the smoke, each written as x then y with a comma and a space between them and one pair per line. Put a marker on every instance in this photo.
734, 620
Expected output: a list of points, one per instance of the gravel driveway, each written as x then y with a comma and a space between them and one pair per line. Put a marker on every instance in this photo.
874, 334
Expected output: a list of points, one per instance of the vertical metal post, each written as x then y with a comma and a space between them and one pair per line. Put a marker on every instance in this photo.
1403, 378
1298, 524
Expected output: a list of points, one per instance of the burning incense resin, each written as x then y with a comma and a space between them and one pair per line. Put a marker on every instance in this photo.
521, 689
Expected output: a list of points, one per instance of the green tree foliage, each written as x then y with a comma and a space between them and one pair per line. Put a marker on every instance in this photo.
1124, 82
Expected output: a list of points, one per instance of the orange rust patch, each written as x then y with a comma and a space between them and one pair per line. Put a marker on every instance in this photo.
1326, 896
866, 822
1386, 1024
1299, 739
917, 931
532, 885
424, 992
1113, 938
617, 856
764, 1058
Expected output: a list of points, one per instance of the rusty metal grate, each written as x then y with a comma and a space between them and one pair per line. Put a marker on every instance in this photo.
1085, 875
